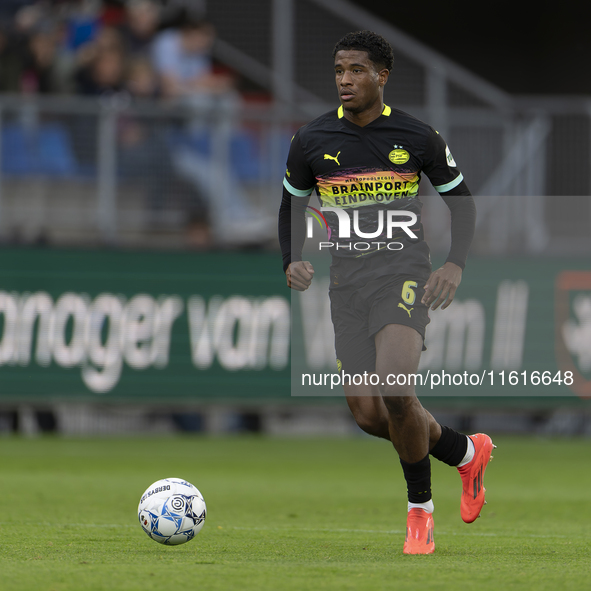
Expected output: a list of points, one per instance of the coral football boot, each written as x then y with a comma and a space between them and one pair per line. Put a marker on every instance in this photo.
473, 477
419, 532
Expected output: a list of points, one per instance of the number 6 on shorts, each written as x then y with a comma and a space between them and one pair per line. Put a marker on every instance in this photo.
408, 294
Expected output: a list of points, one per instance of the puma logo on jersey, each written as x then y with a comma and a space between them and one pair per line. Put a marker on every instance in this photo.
335, 158
401, 305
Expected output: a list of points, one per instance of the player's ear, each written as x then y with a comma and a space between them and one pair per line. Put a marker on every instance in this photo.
383, 76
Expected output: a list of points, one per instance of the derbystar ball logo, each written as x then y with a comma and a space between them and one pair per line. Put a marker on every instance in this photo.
388, 221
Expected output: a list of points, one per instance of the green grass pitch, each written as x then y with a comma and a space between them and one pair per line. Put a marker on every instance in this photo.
288, 514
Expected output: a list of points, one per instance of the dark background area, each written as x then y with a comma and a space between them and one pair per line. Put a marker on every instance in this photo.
524, 47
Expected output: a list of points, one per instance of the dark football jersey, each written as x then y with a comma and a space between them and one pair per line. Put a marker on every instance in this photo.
368, 172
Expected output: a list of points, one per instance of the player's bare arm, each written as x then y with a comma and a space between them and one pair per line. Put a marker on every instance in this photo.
442, 285
299, 275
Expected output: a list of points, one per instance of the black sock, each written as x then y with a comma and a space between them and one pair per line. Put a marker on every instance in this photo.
418, 480
451, 447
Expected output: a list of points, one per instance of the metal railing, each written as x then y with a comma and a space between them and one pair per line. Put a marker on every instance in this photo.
89, 171
107, 171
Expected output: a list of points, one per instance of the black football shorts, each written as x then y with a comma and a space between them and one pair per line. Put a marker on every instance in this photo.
359, 312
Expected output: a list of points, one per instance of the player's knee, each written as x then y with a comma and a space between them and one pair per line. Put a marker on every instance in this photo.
369, 424
395, 390
368, 419
398, 405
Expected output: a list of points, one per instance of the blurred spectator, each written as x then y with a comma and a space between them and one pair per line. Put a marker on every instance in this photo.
143, 21
39, 72
14, 45
144, 154
29, 17
102, 64
107, 39
104, 75
31, 60
142, 81
182, 58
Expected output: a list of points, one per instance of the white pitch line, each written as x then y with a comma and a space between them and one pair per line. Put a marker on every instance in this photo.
306, 529
41, 524
396, 532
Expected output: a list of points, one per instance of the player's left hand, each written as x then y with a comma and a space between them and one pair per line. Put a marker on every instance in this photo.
441, 286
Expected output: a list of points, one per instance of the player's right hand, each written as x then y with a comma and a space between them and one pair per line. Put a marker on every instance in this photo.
299, 275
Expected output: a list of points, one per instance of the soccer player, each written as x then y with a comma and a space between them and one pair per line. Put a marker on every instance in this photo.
365, 161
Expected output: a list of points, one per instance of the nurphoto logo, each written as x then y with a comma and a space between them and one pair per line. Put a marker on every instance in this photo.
388, 223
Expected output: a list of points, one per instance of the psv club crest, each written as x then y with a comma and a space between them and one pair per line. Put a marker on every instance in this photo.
573, 328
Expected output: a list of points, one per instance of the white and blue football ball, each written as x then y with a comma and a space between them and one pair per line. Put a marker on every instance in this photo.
172, 511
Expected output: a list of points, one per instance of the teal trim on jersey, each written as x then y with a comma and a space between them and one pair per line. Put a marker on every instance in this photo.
296, 192
451, 185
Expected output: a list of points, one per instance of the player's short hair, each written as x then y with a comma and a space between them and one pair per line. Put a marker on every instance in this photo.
378, 49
